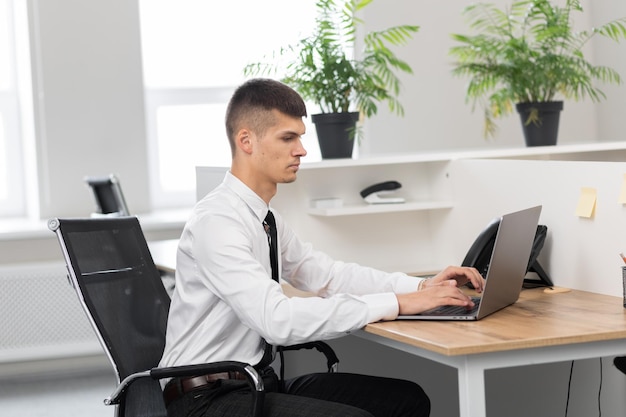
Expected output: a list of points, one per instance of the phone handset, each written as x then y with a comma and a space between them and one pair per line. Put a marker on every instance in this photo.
374, 194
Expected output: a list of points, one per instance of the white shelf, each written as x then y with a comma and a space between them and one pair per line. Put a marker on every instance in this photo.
594, 151
380, 208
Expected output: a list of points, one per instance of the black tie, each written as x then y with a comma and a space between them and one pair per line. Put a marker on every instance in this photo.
270, 228
269, 224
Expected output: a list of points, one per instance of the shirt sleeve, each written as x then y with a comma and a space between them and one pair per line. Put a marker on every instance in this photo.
381, 307
315, 272
232, 261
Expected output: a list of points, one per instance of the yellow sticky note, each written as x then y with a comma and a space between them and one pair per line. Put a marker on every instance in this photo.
622, 193
586, 202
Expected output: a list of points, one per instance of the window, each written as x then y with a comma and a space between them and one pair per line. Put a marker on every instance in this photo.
193, 59
11, 178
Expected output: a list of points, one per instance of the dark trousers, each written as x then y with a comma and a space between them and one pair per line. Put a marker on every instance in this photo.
314, 395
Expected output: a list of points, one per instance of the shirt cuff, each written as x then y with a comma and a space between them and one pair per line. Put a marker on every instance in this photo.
407, 283
382, 306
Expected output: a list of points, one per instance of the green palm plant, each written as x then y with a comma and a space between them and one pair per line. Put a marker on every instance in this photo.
529, 53
322, 69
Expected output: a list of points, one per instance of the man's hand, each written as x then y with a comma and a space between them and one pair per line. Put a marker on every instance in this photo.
459, 274
442, 289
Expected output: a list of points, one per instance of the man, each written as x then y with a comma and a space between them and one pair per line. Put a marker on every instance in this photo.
226, 305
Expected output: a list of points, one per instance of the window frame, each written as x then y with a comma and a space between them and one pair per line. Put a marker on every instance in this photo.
159, 97
14, 204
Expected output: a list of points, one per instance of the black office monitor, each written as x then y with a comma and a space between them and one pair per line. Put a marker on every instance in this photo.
108, 194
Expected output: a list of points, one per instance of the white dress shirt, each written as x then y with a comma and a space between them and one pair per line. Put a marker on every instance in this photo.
225, 301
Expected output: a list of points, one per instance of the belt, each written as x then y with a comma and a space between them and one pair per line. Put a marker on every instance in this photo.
177, 387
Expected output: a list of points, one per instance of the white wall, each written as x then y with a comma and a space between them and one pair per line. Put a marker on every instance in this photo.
437, 116
610, 113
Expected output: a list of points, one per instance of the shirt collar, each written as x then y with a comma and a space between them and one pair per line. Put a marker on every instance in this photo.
253, 201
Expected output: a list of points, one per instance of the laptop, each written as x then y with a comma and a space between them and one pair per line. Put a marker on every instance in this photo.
506, 271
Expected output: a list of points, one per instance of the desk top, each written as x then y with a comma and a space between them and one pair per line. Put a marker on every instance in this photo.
164, 254
538, 319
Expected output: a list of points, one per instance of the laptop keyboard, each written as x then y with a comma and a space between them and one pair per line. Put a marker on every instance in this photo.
456, 310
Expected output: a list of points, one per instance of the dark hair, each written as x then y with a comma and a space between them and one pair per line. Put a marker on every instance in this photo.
252, 104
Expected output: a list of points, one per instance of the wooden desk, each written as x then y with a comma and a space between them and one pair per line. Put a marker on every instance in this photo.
539, 328
164, 254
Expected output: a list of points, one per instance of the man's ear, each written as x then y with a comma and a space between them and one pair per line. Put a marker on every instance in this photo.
243, 140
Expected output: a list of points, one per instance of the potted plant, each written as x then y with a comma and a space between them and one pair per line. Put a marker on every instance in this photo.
530, 55
322, 68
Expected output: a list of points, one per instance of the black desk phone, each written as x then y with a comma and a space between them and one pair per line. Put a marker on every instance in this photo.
479, 254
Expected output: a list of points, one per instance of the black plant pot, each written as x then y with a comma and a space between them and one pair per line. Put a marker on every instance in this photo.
335, 133
540, 122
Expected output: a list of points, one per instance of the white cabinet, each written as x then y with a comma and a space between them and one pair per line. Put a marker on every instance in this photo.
433, 228
424, 177
395, 236
424, 185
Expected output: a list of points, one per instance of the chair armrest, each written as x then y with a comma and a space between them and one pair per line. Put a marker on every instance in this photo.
209, 368
117, 394
332, 361
620, 363
252, 376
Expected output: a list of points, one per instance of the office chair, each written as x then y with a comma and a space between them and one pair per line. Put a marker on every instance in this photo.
120, 290
109, 197
620, 363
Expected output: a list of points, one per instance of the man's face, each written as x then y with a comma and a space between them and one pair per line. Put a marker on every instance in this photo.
277, 154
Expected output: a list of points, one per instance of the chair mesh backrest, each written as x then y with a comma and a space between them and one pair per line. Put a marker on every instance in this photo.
120, 286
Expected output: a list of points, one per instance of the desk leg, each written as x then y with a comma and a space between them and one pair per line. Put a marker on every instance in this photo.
472, 397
